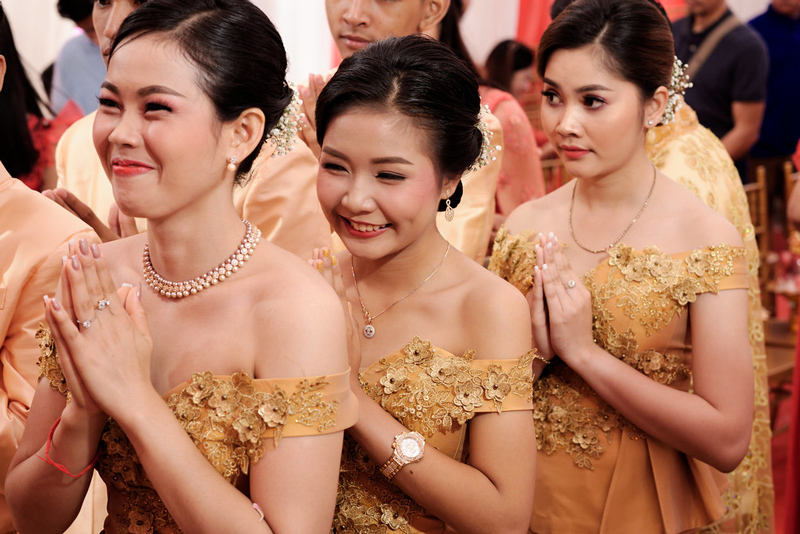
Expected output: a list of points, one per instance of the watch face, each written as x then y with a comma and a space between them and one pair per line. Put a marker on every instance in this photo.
410, 448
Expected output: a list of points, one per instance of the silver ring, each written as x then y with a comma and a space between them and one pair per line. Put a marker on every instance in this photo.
570, 284
102, 304
87, 323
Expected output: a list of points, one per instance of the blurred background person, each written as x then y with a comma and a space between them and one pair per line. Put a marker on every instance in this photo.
510, 67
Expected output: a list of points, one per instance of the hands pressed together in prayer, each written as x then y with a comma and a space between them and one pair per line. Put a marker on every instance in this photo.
101, 333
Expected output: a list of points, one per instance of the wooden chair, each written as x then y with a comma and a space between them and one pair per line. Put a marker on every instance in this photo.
789, 181
554, 174
759, 213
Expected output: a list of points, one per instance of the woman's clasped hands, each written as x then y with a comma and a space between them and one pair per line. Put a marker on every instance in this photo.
101, 334
561, 306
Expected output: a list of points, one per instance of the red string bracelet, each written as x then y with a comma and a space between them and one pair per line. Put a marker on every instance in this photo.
57, 465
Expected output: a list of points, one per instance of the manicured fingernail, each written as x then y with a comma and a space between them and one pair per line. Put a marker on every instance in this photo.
84, 246
64, 260
326, 253
56, 304
75, 263
535, 268
537, 246
46, 299
126, 284
549, 245
555, 239
551, 235
71, 244
319, 266
96, 251
544, 266
139, 291
334, 261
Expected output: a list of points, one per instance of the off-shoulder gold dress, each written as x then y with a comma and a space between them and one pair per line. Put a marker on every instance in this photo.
233, 420
435, 393
597, 472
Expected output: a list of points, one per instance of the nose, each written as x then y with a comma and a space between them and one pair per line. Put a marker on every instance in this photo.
356, 14
119, 11
568, 124
358, 198
126, 131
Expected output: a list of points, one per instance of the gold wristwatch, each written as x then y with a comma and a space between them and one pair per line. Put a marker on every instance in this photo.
409, 447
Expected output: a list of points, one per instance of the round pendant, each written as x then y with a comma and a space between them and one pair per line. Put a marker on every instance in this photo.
369, 331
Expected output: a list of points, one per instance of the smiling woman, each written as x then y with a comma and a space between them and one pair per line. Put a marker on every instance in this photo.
163, 386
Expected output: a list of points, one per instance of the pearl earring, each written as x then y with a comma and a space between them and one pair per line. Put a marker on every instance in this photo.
232, 163
650, 123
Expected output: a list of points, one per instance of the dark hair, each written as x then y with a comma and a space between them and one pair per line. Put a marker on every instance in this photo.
236, 49
450, 35
75, 10
421, 78
505, 59
634, 36
18, 100
559, 6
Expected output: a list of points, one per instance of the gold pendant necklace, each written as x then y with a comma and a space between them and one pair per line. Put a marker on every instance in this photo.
369, 330
625, 231
178, 290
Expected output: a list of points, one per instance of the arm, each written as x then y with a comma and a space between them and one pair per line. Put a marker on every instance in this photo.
493, 492
746, 127
713, 424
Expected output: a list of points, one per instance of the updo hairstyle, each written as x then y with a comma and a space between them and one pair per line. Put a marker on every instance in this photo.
422, 79
634, 36
238, 53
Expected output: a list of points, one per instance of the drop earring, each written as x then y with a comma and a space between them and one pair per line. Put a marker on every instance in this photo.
449, 212
232, 163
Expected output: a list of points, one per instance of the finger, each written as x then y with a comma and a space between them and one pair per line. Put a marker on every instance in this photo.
53, 195
82, 303
64, 292
107, 286
88, 216
113, 218
553, 291
566, 274
64, 331
127, 225
133, 305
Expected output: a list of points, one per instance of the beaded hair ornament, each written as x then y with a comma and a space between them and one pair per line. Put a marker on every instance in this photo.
677, 88
283, 134
487, 153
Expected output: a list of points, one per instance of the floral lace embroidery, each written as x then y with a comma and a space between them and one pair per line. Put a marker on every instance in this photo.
431, 393
227, 419
650, 288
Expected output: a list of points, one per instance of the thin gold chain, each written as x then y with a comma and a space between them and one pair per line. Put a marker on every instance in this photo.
625, 231
368, 317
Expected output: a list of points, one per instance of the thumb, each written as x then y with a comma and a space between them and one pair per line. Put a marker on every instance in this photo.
133, 305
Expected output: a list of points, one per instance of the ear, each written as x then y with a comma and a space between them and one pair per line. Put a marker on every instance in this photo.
449, 187
435, 10
655, 106
2, 71
246, 132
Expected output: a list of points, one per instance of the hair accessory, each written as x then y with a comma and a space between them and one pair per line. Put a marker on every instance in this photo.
177, 290
87, 323
232, 163
102, 304
57, 465
625, 231
487, 152
283, 134
369, 330
449, 212
677, 88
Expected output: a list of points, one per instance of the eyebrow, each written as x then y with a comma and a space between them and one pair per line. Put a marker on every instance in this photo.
145, 91
377, 161
583, 89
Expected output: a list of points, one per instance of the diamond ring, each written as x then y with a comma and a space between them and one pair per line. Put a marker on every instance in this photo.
102, 304
87, 323
570, 284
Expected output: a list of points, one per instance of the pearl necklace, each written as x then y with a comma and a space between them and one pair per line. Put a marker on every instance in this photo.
177, 290
625, 231
369, 330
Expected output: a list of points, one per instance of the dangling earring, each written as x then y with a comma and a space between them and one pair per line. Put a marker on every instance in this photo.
232, 163
449, 212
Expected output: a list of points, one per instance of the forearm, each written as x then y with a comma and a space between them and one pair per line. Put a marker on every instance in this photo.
685, 421
177, 469
461, 495
739, 141
42, 498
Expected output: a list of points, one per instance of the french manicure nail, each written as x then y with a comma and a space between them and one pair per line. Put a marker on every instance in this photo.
95, 250
126, 284
75, 263
46, 299
71, 244
56, 304
64, 260
139, 291
84, 246
549, 245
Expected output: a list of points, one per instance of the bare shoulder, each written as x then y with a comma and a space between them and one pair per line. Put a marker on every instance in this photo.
697, 225
538, 214
298, 314
495, 315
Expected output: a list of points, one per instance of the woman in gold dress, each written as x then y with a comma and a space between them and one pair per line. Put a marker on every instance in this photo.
212, 405
444, 438
637, 293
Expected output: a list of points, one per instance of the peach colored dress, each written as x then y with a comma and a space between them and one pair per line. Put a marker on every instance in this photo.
435, 393
597, 472
233, 420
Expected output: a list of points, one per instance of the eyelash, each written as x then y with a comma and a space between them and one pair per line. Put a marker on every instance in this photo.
106, 102
390, 176
157, 106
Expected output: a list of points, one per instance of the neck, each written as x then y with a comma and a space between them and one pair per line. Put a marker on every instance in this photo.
394, 275
625, 187
183, 247
703, 21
